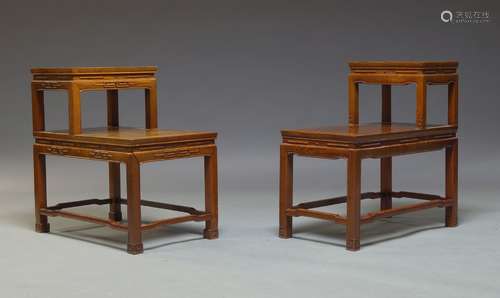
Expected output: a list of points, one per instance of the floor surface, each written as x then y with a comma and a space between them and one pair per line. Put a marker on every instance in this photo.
404, 256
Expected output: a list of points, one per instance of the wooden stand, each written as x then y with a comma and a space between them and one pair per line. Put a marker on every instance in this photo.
115, 145
383, 140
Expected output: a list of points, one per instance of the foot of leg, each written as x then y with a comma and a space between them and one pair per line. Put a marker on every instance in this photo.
115, 216
211, 233
135, 249
451, 217
352, 244
42, 228
285, 233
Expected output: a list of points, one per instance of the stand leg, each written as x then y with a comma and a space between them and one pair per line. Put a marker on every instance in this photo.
386, 162
353, 201
386, 183
42, 224
211, 197
452, 184
115, 212
134, 245
286, 193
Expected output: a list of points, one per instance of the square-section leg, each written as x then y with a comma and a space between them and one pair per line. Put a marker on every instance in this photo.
386, 183
134, 244
353, 201
286, 192
115, 212
211, 196
42, 224
452, 184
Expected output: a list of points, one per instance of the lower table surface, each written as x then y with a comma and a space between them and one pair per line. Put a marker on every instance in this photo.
370, 132
126, 135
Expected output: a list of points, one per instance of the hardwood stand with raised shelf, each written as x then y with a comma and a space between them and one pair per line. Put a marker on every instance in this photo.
115, 145
355, 142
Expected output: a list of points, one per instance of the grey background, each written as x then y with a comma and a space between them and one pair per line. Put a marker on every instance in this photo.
247, 69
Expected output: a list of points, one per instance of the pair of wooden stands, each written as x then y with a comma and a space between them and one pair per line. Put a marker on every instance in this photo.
353, 142
383, 140
114, 145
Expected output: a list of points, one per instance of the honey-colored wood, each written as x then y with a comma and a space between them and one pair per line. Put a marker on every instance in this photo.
56, 210
451, 189
151, 107
405, 209
386, 182
421, 103
38, 114
386, 162
453, 102
316, 214
113, 108
115, 212
41, 225
286, 192
115, 145
95, 72
430, 67
126, 136
336, 200
353, 201
74, 110
353, 101
180, 219
365, 134
134, 245
78, 79
355, 142
86, 218
386, 104
211, 231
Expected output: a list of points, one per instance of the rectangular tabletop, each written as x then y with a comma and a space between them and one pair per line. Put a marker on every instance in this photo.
368, 132
94, 70
126, 136
404, 66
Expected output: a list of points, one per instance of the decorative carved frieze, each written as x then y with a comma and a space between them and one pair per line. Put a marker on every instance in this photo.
118, 84
57, 150
51, 85
176, 154
100, 155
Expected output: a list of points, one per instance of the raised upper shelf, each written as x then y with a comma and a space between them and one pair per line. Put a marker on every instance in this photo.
436, 67
70, 73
